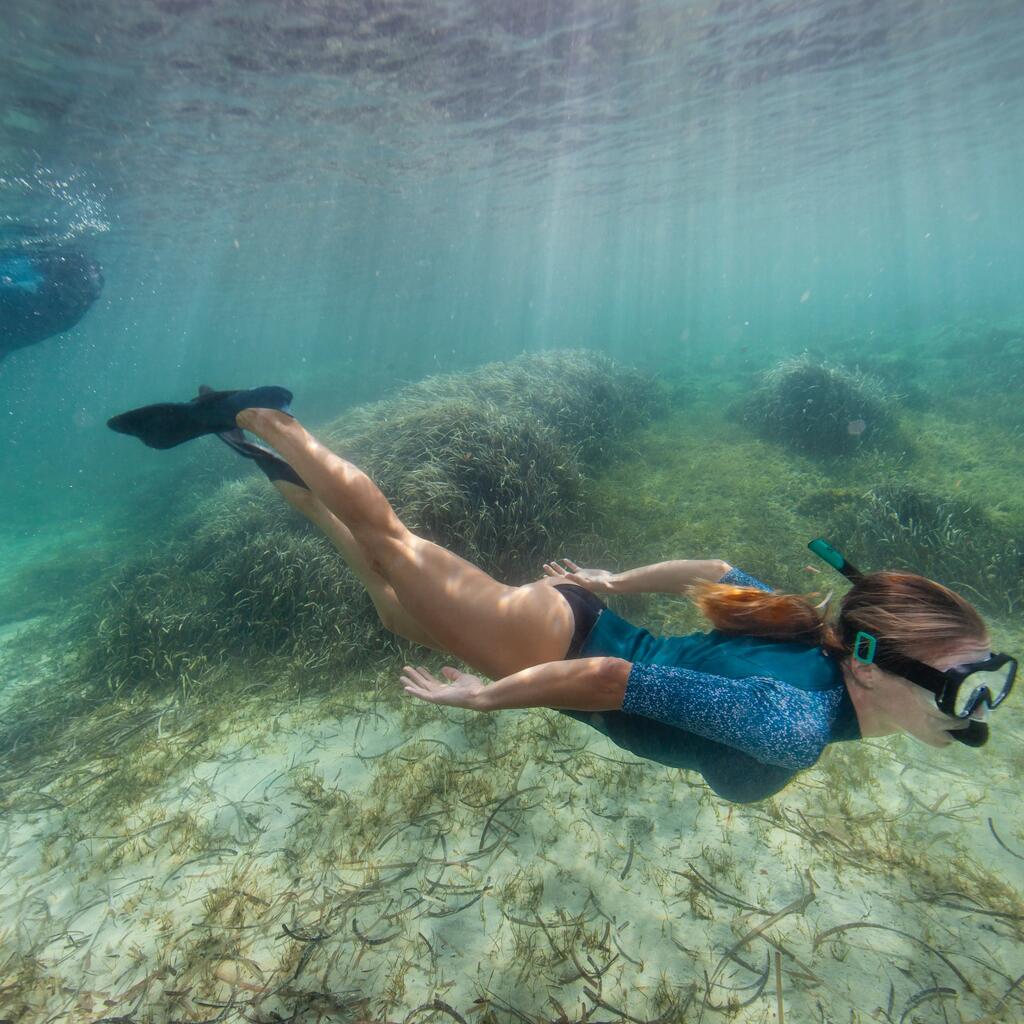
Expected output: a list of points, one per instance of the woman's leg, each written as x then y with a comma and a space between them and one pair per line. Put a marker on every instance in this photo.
495, 628
391, 613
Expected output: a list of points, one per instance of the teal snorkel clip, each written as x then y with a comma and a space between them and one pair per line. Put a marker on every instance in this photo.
827, 553
864, 645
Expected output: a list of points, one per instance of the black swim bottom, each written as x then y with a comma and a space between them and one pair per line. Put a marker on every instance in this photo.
586, 607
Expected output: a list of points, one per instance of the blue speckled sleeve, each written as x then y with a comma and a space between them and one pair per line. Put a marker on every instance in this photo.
765, 718
739, 578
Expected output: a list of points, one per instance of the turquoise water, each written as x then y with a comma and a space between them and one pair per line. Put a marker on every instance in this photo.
345, 198
374, 192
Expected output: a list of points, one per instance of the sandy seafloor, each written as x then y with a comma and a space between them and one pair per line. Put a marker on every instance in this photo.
372, 858
358, 862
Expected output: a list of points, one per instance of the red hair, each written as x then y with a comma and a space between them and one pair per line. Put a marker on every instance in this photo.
907, 613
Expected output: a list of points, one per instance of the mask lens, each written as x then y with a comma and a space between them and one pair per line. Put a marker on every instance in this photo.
996, 681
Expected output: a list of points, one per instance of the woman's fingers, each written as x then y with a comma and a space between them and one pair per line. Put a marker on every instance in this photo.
418, 680
459, 690
566, 567
421, 683
417, 674
410, 680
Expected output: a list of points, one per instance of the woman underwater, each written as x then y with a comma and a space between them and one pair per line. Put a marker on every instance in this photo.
747, 705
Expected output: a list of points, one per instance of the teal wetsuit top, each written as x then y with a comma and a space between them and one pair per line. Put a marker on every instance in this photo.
746, 712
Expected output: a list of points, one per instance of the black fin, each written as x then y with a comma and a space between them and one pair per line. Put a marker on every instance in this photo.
163, 425
273, 466
167, 424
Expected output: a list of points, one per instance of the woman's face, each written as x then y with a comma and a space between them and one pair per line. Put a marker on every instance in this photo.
910, 708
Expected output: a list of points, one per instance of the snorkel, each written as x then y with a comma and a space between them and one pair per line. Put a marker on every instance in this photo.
865, 650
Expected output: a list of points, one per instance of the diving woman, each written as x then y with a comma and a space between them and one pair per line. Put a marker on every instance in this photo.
748, 704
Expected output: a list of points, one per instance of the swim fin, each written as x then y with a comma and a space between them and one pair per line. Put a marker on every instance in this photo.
273, 466
167, 424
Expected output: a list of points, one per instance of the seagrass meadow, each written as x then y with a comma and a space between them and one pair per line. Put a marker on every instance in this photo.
218, 805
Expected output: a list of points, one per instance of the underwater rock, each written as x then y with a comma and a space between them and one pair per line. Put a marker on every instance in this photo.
818, 409
584, 397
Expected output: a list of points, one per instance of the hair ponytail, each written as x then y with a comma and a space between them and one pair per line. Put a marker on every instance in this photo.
907, 613
775, 616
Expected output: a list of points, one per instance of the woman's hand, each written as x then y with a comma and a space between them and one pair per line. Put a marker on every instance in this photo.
461, 692
597, 581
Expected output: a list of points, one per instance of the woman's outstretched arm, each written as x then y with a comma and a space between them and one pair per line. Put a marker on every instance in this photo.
674, 577
583, 684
